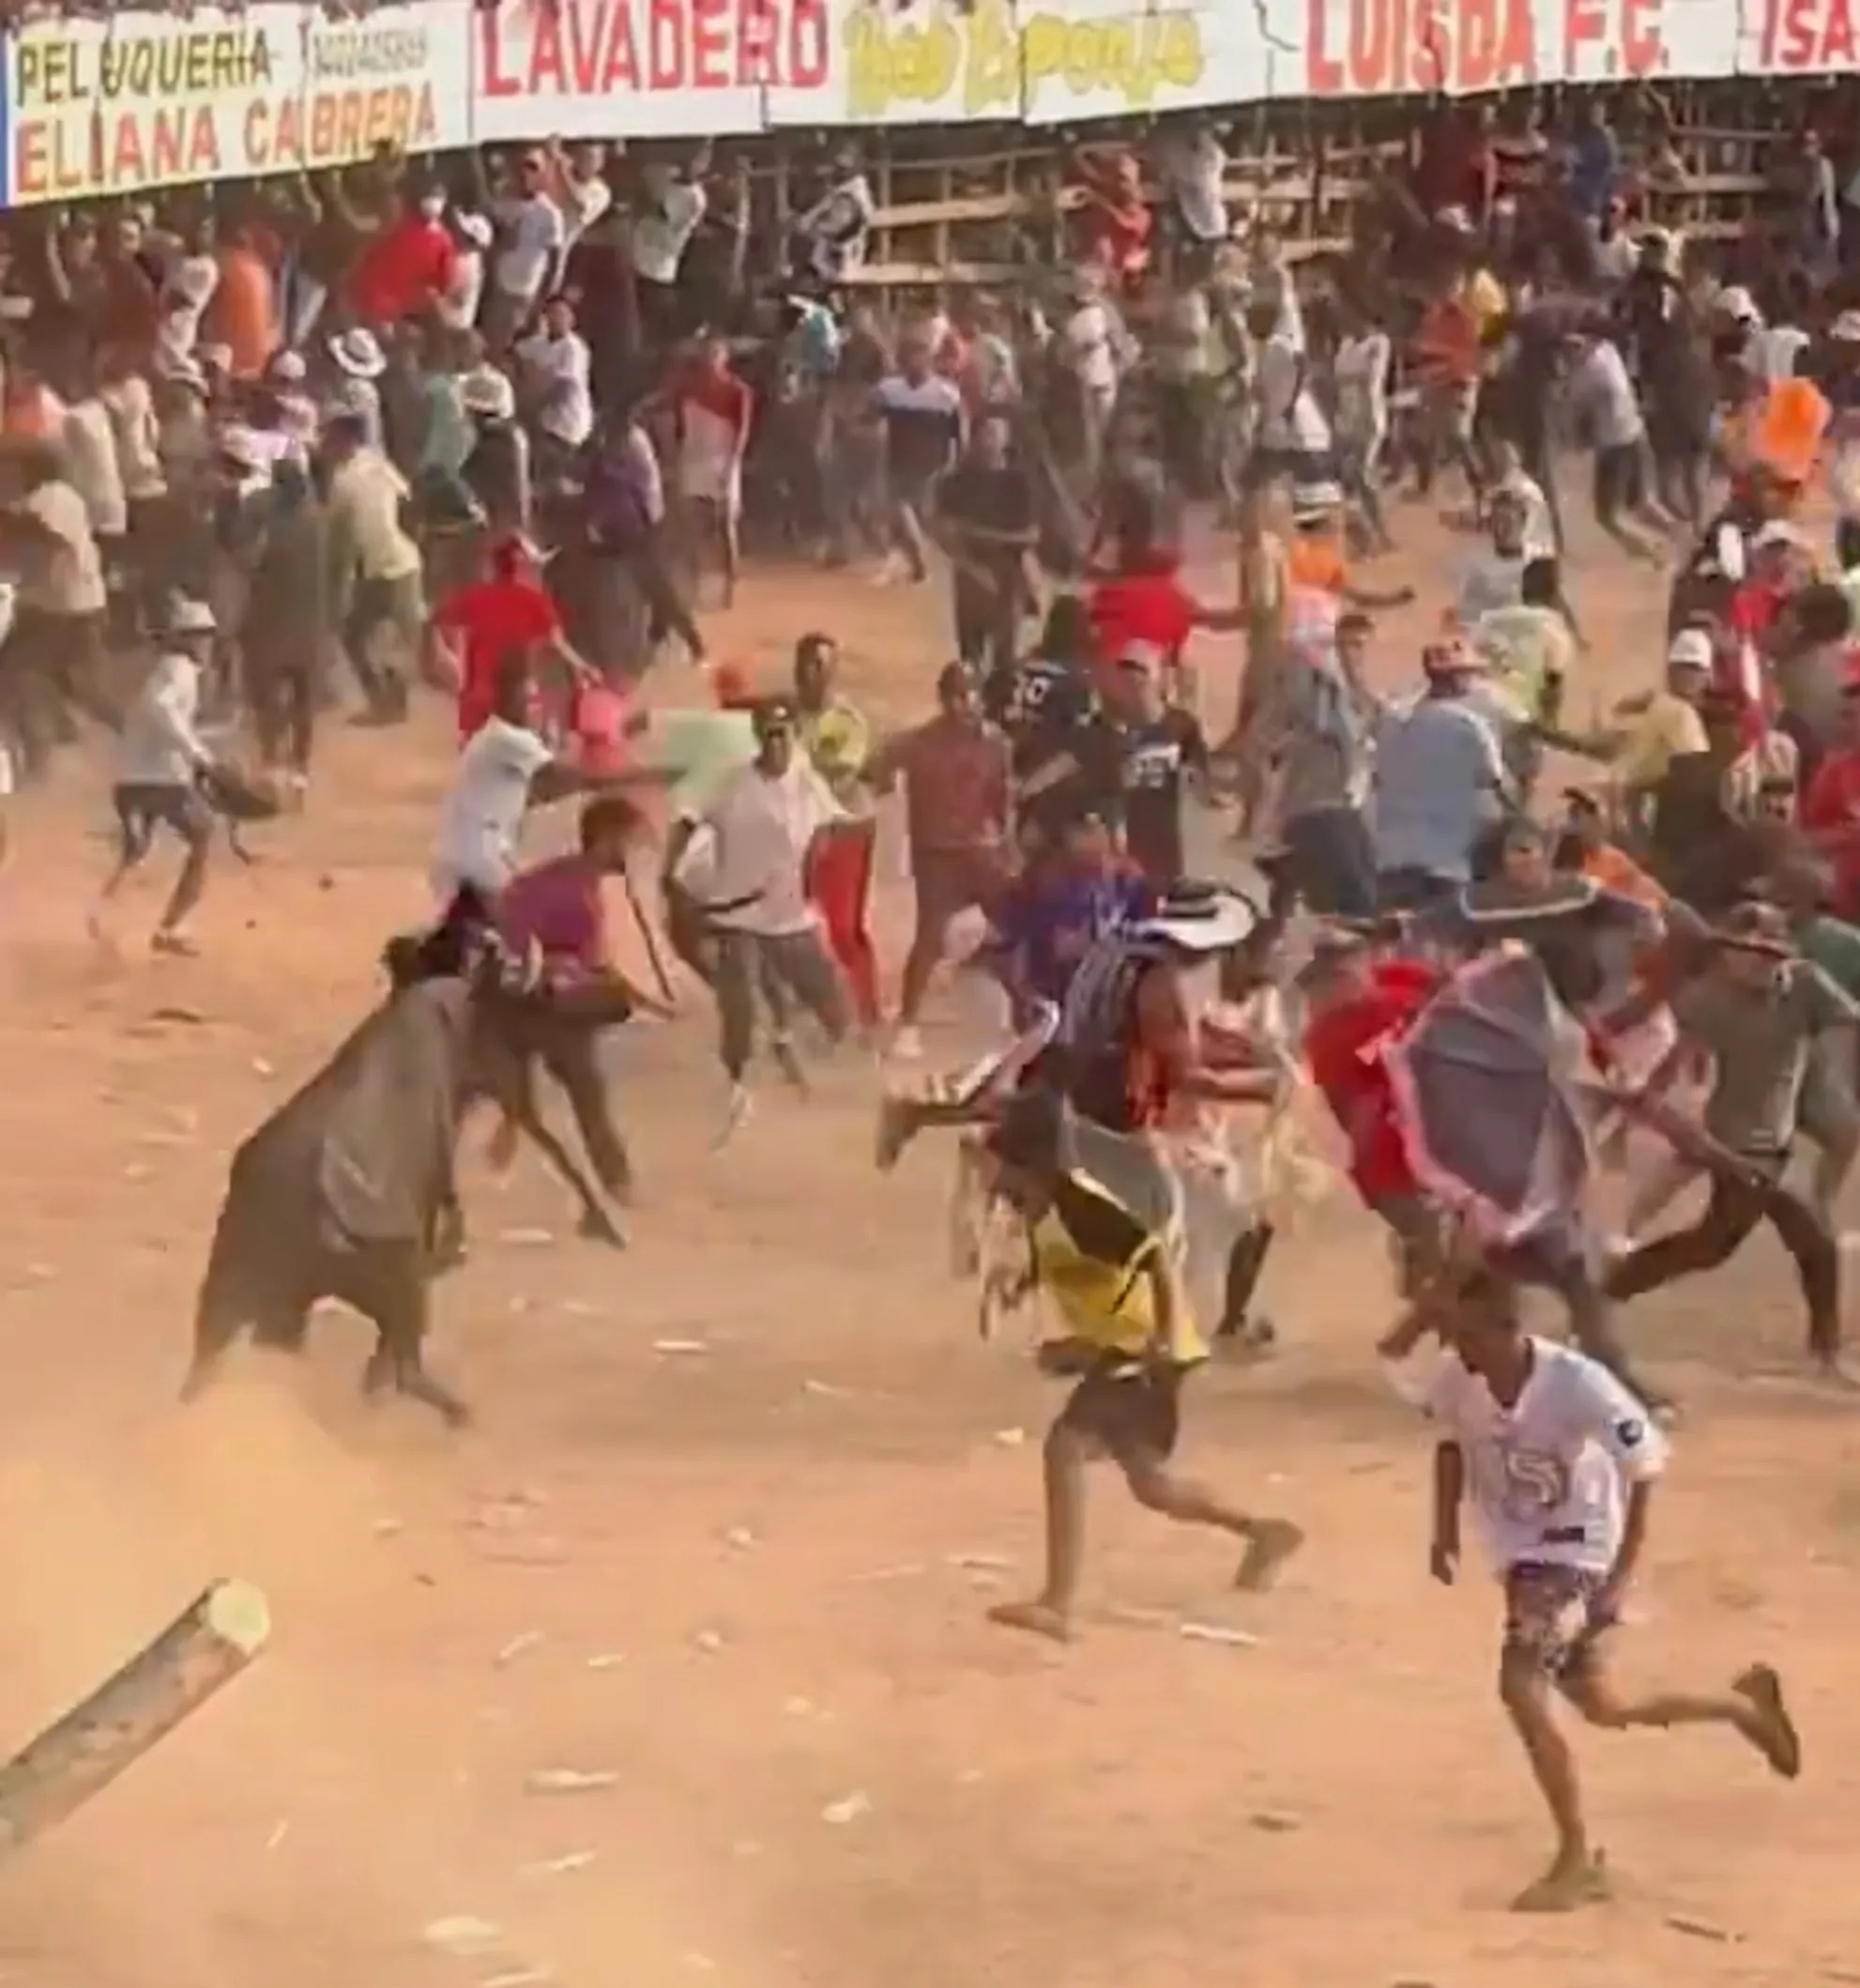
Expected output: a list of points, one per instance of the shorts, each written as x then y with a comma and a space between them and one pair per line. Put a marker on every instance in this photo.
143, 808
1620, 484
1550, 1615
952, 882
1129, 1408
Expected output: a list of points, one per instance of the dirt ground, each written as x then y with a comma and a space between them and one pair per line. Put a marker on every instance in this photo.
735, 1505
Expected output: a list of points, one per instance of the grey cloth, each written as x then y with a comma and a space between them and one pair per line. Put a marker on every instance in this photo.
1761, 1038
1322, 748
780, 969
287, 607
347, 1191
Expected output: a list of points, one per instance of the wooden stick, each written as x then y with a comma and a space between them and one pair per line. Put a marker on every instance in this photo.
176, 1674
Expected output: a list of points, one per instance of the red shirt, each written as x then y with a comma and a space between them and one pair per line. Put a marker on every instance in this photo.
1833, 802
957, 779
1342, 1048
401, 270
1145, 610
496, 618
721, 395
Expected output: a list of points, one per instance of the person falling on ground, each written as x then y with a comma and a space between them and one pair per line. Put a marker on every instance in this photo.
1559, 1458
1111, 1269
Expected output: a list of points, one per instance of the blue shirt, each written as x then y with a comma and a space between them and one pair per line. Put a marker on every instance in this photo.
1438, 774
1056, 916
1593, 162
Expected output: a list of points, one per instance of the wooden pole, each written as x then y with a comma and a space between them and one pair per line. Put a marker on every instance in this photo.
175, 1675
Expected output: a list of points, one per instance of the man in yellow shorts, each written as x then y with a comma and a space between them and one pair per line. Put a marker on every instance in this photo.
1103, 1215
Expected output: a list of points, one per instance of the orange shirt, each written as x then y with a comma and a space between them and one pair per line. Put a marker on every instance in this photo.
1617, 872
1315, 563
243, 314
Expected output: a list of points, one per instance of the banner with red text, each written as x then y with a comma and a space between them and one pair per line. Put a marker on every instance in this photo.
646, 68
137, 101
128, 101
1800, 37
1378, 48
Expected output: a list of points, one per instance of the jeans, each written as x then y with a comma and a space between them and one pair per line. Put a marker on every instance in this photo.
781, 968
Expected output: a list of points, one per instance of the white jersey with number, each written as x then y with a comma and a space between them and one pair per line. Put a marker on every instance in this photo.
1548, 1476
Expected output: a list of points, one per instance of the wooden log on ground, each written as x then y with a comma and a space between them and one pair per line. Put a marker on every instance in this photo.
175, 1675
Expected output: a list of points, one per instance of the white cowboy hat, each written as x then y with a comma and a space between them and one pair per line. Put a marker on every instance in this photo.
243, 447
1310, 501
1846, 328
359, 353
487, 392
476, 229
287, 367
1202, 918
189, 617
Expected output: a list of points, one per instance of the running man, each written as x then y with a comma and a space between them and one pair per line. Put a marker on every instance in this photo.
1109, 1265
1560, 1459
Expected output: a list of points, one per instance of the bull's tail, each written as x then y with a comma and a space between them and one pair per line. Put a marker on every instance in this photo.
237, 1297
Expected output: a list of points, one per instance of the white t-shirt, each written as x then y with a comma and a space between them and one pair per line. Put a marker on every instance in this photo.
1363, 386
89, 439
1289, 415
1617, 258
756, 834
1089, 335
1196, 168
586, 201
1547, 1476
1540, 528
838, 227
162, 745
131, 407
536, 234
483, 814
560, 374
65, 577
660, 238
1490, 581
191, 280
1602, 390
1773, 350
458, 308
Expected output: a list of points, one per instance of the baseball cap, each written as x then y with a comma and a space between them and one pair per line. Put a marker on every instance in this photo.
1690, 649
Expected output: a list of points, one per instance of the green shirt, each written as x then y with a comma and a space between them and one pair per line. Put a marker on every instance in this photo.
1835, 947
699, 749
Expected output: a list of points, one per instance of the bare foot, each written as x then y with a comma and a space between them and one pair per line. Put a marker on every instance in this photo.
1269, 1543
1567, 1885
1770, 1730
1041, 1617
